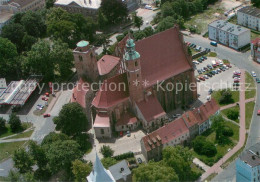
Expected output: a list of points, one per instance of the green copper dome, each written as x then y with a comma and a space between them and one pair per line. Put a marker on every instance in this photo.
131, 53
82, 43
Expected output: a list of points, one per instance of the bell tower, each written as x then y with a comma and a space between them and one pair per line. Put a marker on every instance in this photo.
133, 69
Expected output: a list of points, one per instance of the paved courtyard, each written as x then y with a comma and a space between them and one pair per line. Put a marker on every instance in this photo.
218, 81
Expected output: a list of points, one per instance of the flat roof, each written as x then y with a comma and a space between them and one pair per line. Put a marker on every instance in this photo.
228, 27
18, 92
250, 10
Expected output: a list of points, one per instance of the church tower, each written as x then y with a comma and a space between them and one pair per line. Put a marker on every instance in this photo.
133, 69
85, 61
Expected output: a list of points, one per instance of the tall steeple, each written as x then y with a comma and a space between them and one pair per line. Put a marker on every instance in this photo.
133, 69
99, 173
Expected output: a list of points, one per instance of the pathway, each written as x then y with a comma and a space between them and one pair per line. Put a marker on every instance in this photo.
216, 168
234, 104
14, 140
201, 164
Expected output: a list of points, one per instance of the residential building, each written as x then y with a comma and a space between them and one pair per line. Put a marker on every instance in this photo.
3, 85
89, 7
26, 5
171, 134
142, 95
229, 34
186, 127
248, 165
255, 50
249, 16
121, 172
6, 13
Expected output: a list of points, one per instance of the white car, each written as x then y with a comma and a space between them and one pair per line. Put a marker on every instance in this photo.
148, 7
253, 74
206, 76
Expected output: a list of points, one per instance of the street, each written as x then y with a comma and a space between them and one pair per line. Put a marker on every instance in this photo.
244, 61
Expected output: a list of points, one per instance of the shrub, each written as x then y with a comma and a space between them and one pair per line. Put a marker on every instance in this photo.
106, 151
120, 37
204, 147
124, 156
227, 131
226, 97
2, 124
15, 123
232, 114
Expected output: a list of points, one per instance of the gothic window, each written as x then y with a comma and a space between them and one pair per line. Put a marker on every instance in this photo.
80, 58
137, 75
136, 63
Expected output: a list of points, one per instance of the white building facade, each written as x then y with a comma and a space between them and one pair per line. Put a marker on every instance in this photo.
249, 17
229, 34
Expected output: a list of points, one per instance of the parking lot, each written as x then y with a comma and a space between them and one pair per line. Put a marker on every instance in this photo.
218, 81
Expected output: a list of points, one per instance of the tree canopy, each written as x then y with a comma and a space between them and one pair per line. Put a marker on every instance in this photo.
23, 161
256, 3
80, 170
15, 123
204, 147
108, 161
106, 151
71, 120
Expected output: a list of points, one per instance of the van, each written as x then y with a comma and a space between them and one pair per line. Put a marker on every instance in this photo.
213, 43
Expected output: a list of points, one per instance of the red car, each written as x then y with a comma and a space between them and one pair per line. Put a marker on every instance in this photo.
202, 78
45, 98
236, 80
121, 133
46, 115
47, 94
228, 65
258, 112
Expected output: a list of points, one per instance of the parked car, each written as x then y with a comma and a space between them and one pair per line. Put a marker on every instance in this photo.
236, 80
210, 91
139, 160
198, 80
257, 80
213, 43
148, 7
45, 98
204, 57
46, 115
121, 133
258, 112
253, 74
236, 84
198, 48
47, 94
228, 65
128, 133
206, 76
199, 71
205, 68
202, 78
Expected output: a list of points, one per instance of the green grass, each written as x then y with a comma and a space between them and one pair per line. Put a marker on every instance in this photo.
221, 149
225, 61
249, 112
250, 86
202, 20
217, 94
22, 135
225, 111
254, 34
233, 20
7, 149
4, 178
196, 168
212, 54
8, 132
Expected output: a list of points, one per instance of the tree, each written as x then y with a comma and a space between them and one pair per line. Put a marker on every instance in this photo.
8, 58
139, 35
233, 114
15, 123
22, 161
71, 120
60, 154
108, 162
218, 125
114, 10
226, 97
154, 171
49, 3
180, 159
138, 21
102, 20
15, 33
38, 154
148, 31
165, 24
53, 137
80, 170
83, 141
106, 151
203, 147
28, 41
256, 3
2, 125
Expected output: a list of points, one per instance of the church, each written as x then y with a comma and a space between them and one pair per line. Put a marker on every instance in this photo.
141, 83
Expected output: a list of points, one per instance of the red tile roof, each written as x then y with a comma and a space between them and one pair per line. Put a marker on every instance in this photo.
206, 110
189, 118
162, 56
150, 108
127, 118
101, 120
113, 91
106, 64
79, 93
166, 134
256, 41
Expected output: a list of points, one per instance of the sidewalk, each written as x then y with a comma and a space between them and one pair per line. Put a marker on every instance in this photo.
216, 168
232, 105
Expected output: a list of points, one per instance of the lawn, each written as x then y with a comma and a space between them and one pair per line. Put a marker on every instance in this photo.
202, 20
250, 86
221, 149
7, 149
249, 112
212, 54
233, 20
22, 135
217, 94
225, 111
254, 34
9, 132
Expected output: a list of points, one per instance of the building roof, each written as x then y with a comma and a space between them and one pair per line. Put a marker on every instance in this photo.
165, 134
250, 10
251, 155
99, 173
106, 64
113, 91
120, 170
228, 27
256, 41
203, 113
93, 4
150, 108
79, 93
101, 120
162, 56
82, 43
22, 3
189, 119
127, 118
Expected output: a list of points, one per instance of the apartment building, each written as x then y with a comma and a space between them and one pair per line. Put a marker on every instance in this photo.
26, 5
255, 50
229, 34
248, 165
249, 16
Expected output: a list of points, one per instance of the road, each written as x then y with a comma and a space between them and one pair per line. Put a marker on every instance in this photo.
244, 61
